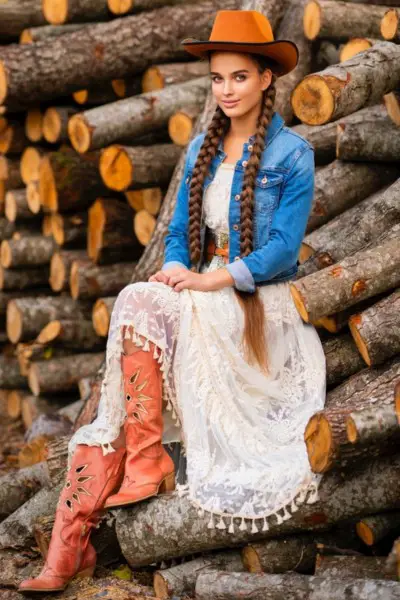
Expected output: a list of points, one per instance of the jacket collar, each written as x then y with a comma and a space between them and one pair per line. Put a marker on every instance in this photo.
276, 125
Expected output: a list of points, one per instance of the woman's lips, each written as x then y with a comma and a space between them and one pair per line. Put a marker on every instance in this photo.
230, 104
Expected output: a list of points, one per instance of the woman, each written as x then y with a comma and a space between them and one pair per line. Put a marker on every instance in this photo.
215, 333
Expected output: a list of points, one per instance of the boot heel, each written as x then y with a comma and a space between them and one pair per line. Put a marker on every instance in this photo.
167, 484
88, 572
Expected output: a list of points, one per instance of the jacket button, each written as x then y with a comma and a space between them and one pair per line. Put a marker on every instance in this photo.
236, 227
250, 148
237, 197
264, 180
237, 258
187, 179
244, 163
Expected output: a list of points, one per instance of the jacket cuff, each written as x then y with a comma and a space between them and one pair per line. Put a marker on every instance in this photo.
244, 280
172, 263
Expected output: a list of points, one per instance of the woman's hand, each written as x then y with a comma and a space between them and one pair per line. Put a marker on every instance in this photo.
161, 276
180, 279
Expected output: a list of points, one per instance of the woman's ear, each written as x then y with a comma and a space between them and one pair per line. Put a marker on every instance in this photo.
266, 79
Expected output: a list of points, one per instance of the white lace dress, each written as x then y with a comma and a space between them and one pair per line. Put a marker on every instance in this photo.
242, 430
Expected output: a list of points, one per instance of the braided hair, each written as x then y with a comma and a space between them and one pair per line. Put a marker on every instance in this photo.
254, 325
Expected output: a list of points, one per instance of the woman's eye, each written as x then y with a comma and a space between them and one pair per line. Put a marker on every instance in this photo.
238, 78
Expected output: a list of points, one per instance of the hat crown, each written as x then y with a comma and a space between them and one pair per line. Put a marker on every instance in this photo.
241, 26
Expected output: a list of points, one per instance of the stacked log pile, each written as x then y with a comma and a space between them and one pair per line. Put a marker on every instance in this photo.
92, 157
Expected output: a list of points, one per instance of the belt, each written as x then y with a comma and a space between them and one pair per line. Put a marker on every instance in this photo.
218, 245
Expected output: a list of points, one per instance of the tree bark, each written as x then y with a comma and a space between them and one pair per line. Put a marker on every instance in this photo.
25, 319
71, 11
55, 123
134, 116
360, 142
10, 172
110, 236
27, 252
340, 21
178, 530
351, 230
342, 358
122, 167
60, 268
17, 487
325, 434
17, 207
376, 330
352, 567
75, 334
342, 89
70, 231
41, 33
373, 426
32, 77
219, 585
62, 374
160, 76
181, 579
359, 276
24, 280
10, 376
92, 281
341, 185
32, 407
18, 14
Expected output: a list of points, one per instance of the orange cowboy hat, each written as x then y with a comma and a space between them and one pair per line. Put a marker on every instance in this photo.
246, 31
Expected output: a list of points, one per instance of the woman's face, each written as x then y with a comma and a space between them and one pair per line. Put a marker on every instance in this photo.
236, 82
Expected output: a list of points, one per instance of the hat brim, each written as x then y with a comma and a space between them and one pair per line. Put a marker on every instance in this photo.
284, 52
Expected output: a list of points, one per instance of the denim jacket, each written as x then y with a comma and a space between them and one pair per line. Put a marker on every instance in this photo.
284, 192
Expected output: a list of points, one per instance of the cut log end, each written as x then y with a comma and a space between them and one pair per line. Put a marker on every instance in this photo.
312, 20
353, 323
34, 124
55, 13
50, 332
152, 80
74, 280
30, 161
47, 186
14, 404
101, 318
120, 7
305, 252
397, 400
390, 24
180, 127
318, 439
80, 133
10, 207
51, 125
80, 96
26, 37
299, 302
312, 101
13, 322
160, 586
250, 559
3, 83
119, 87
354, 46
97, 220
351, 430
116, 168
32, 197
365, 533
5, 254
392, 103
57, 273
33, 379
144, 224
57, 228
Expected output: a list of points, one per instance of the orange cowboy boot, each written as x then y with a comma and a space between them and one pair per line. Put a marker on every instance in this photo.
149, 469
91, 478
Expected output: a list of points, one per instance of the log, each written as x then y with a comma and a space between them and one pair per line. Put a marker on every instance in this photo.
101, 315
28, 353
25, 319
372, 426
30, 161
57, 453
34, 124
359, 142
91, 402
359, 276
16, 531
342, 89
341, 185
75, 334
327, 55
46, 427
85, 386
110, 236
354, 46
325, 434
342, 358
178, 530
60, 268
352, 567
10, 172
33, 452
220, 585
148, 198
96, 95
10, 377
31, 35
33, 197
69, 181
17, 206
71, 11
12, 138
71, 411
375, 528
62, 374
31, 77
181, 123
144, 225
33, 407
376, 330
352, 230
132, 6
27, 252
181, 579
291, 28
340, 21
55, 123
18, 486
70, 230
134, 116
18, 14
88, 280
392, 103
157, 77
122, 167
390, 25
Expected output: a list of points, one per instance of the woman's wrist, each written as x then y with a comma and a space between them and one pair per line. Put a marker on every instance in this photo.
219, 279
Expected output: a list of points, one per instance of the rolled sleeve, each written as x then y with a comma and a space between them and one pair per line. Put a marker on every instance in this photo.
171, 264
244, 280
